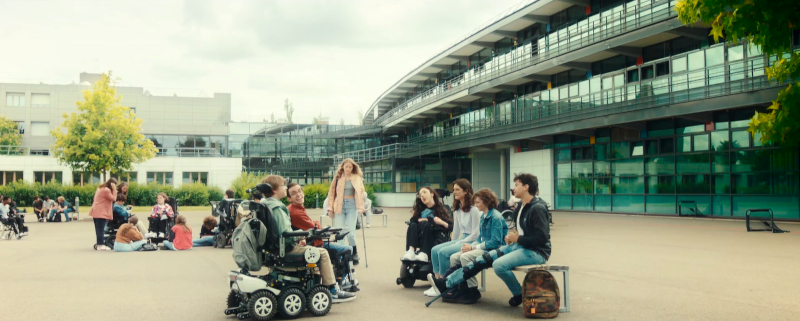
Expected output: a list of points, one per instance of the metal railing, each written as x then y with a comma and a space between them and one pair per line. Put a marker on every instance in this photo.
601, 104
188, 152
567, 39
14, 150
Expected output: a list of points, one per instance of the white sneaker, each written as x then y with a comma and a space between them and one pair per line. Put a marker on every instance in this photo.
422, 257
409, 256
342, 296
161, 235
367, 225
430, 292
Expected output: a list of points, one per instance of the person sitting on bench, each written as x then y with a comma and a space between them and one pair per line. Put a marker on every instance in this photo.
62, 207
38, 209
528, 242
430, 225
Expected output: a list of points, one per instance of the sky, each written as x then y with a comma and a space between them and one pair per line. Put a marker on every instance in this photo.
329, 58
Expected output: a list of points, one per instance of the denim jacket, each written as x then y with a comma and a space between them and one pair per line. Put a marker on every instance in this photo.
493, 230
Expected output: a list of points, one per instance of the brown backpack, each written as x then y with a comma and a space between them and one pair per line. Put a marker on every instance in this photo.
540, 296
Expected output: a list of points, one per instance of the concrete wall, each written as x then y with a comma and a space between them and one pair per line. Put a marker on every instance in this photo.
487, 171
221, 170
538, 163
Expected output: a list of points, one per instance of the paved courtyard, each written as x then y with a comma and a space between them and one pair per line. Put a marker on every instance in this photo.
622, 268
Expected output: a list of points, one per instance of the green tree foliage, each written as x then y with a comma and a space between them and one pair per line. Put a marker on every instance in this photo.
244, 182
767, 24
9, 133
138, 194
103, 136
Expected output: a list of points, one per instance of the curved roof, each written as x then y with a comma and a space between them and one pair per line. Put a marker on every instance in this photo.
463, 41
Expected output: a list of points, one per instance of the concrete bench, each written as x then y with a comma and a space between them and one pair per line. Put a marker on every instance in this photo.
384, 216
547, 267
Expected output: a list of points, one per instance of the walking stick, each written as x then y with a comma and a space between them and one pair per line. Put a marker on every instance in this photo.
364, 238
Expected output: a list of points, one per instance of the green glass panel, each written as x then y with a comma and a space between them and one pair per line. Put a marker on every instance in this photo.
582, 169
564, 186
661, 204
721, 205
602, 169
564, 202
660, 165
740, 139
701, 143
628, 203
684, 144
627, 185
661, 185
582, 203
564, 170
602, 203
781, 206
602, 185
703, 204
694, 184
627, 167
721, 163
722, 184
695, 163
720, 141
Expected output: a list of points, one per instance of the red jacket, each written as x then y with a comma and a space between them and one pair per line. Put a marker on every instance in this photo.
103, 203
300, 218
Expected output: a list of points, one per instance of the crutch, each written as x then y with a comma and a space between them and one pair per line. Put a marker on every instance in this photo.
364, 238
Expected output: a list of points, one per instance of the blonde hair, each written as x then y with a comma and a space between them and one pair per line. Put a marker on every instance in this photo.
181, 220
340, 169
275, 181
60, 199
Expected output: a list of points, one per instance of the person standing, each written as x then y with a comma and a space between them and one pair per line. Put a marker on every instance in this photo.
101, 211
346, 201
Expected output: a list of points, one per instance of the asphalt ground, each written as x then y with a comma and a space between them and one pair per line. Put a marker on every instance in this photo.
622, 268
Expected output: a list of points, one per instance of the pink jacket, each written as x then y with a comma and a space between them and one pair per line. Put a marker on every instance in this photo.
103, 203
336, 194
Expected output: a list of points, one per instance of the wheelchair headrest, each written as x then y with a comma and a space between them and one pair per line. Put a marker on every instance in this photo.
263, 188
442, 192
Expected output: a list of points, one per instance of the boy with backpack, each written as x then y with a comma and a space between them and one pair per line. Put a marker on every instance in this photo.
528, 242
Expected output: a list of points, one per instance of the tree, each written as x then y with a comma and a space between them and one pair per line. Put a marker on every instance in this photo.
289, 109
9, 135
768, 24
360, 114
103, 136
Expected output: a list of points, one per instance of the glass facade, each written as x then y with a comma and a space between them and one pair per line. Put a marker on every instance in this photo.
717, 165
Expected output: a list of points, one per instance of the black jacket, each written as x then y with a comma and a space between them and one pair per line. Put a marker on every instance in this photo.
535, 227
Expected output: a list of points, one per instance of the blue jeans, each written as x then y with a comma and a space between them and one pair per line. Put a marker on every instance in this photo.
339, 248
514, 256
128, 247
203, 241
169, 245
347, 221
440, 255
53, 212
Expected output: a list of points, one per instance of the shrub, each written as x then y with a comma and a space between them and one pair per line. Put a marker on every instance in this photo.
138, 194
194, 194
215, 194
244, 182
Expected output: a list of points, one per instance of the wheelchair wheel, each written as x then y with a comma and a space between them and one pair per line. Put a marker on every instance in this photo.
319, 301
233, 300
110, 242
407, 282
262, 305
291, 303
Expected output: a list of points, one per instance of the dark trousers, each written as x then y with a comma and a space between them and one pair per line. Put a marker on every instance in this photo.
99, 227
21, 224
420, 235
40, 215
157, 225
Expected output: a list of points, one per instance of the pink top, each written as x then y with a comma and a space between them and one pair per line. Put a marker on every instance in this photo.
162, 209
102, 204
183, 239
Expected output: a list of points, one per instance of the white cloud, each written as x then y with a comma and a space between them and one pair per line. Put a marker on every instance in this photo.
333, 57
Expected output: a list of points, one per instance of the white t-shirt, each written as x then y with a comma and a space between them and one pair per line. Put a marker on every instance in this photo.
519, 216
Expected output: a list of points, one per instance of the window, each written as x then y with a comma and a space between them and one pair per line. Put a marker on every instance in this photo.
715, 56
40, 152
679, 64
9, 177
81, 178
662, 69
192, 177
15, 99
130, 177
160, 178
133, 110
40, 100
736, 53
47, 177
21, 126
696, 61
40, 129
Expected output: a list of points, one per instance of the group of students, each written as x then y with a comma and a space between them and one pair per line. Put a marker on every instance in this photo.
10, 216
46, 209
481, 237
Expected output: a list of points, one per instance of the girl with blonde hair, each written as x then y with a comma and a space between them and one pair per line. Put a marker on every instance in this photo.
345, 201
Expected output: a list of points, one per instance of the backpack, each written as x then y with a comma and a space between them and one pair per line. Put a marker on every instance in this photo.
246, 242
148, 247
541, 298
56, 217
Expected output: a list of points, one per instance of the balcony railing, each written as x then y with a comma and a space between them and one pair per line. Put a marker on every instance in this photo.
594, 29
370, 154
14, 150
188, 152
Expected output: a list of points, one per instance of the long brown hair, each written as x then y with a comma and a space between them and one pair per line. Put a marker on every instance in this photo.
108, 184
488, 198
438, 207
340, 169
120, 186
467, 188
181, 220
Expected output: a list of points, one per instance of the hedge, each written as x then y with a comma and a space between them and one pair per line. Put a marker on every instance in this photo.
195, 194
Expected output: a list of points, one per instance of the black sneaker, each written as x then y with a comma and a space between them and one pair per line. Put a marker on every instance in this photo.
355, 259
515, 300
471, 296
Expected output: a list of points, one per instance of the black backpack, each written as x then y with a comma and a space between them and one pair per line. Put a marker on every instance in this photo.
56, 217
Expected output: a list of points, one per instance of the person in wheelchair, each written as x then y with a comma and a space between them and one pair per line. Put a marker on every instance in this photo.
284, 224
342, 253
430, 225
10, 218
160, 216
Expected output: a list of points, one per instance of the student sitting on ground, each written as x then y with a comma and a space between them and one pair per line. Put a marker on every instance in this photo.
181, 236
283, 224
528, 242
128, 237
430, 225
161, 213
493, 228
207, 232
38, 209
62, 207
